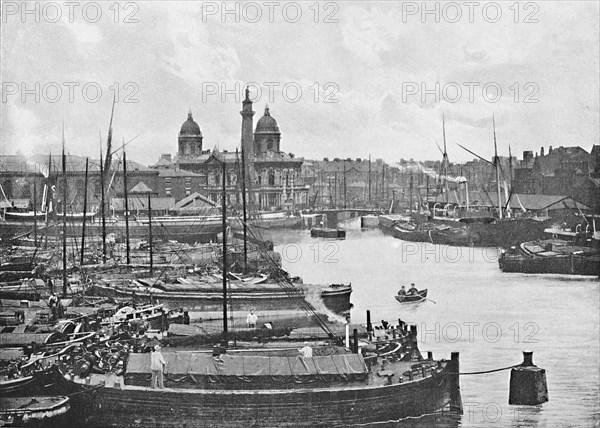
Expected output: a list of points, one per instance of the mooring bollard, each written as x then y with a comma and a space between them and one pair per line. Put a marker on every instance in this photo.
528, 383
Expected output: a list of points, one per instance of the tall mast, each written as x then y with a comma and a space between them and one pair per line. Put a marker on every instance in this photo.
224, 227
64, 209
47, 201
102, 213
369, 178
35, 227
344, 166
244, 209
108, 159
411, 193
85, 196
445, 161
150, 234
497, 165
383, 181
427, 193
510, 167
126, 195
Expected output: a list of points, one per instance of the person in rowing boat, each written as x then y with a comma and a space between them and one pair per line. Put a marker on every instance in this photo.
412, 290
402, 291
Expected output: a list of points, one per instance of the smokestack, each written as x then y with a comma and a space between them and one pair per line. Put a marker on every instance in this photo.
247, 130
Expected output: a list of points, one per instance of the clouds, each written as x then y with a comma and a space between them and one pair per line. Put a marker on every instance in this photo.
370, 55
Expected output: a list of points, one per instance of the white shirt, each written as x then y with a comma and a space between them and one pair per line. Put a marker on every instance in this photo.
306, 352
156, 361
251, 319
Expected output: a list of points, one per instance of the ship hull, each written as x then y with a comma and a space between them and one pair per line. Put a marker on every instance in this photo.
566, 265
336, 300
362, 404
501, 233
189, 231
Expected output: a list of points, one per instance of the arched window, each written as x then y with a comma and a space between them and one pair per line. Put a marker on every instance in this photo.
271, 178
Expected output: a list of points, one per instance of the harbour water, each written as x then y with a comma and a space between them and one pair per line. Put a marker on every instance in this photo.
488, 316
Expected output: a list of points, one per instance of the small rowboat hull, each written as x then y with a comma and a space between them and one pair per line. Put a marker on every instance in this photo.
407, 298
33, 411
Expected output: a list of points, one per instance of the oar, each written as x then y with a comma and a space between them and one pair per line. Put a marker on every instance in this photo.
433, 301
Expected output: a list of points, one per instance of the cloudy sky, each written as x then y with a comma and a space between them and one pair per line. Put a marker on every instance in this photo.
361, 68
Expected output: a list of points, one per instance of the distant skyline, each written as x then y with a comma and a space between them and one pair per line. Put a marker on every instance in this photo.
377, 59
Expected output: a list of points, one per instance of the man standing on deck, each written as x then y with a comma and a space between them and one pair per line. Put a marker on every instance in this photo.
157, 365
251, 319
307, 351
53, 305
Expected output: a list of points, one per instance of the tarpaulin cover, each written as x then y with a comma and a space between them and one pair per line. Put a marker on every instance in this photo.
22, 339
251, 368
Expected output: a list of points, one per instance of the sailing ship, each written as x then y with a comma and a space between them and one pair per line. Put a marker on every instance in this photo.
270, 386
201, 296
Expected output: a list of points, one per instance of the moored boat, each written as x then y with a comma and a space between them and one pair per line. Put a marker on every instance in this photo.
326, 232
33, 411
205, 300
551, 256
275, 388
418, 297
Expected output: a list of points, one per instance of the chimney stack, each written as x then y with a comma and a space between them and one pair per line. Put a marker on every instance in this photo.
247, 132
542, 151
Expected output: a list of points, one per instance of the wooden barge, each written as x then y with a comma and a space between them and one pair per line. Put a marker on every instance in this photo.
326, 232
551, 256
244, 388
263, 297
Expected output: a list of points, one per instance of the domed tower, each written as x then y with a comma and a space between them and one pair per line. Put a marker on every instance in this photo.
190, 138
266, 135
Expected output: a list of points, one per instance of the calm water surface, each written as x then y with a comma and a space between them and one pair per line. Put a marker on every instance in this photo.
488, 316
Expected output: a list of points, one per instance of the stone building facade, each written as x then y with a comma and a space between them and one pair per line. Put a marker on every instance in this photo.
273, 177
